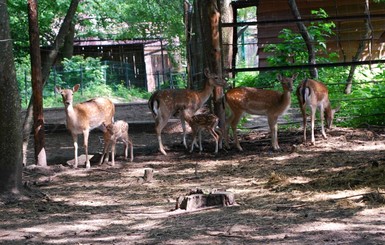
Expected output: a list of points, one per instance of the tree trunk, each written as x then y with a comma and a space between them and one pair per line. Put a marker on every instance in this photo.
188, 33
37, 84
10, 109
227, 35
306, 37
360, 50
46, 68
211, 18
68, 47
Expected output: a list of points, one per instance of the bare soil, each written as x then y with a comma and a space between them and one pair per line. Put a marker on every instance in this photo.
331, 193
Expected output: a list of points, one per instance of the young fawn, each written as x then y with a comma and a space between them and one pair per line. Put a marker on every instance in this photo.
84, 117
114, 132
166, 103
315, 94
205, 121
259, 102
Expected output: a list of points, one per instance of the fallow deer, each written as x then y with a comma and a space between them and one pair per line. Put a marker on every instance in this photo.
315, 94
114, 132
85, 116
258, 102
207, 121
179, 102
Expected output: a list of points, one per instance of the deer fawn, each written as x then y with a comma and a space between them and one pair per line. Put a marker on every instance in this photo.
207, 121
114, 132
315, 94
85, 116
180, 102
259, 102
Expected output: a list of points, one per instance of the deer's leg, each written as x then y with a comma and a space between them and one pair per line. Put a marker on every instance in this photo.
194, 133
105, 152
216, 137
75, 140
274, 132
125, 150
322, 111
304, 121
86, 134
159, 125
113, 147
220, 137
183, 123
131, 150
200, 140
313, 111
233, 124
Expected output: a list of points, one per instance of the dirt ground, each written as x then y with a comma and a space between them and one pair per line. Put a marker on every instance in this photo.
331, 193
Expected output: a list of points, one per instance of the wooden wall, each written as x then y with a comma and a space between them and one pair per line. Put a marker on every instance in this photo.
346, 14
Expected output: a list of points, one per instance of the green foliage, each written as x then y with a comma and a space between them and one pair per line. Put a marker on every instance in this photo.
364, 106
89, 72
176, 81
292, 50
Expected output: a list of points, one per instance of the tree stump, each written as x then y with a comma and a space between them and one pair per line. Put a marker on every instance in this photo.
148, 175
198, 199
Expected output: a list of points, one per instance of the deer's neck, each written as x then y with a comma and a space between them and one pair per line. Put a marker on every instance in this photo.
285, 101
327, 107
70, 114
205, 93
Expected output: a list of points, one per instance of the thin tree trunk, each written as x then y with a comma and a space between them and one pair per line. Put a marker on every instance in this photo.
46, 68
307, 38
37, 84
227, 34
188, 32
360, 49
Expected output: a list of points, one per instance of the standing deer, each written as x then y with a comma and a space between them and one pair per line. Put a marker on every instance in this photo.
179, 102
259, 102
207, 121
114, 132
85, 116
315, 94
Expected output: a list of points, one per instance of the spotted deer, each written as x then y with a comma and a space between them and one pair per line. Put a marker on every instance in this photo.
315, 95
114, 132
85, 116
256, 101
205, 121
166, 103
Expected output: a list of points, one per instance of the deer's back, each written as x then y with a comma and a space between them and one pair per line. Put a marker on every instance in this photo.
177, 99
252, 100
94, 112
317, 90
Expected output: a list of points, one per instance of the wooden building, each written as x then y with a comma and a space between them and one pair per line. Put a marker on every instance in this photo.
352, 18
139, 63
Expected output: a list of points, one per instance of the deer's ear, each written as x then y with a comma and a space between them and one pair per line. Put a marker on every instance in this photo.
76, 87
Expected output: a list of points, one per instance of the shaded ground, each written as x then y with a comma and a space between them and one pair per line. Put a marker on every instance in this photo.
331, 193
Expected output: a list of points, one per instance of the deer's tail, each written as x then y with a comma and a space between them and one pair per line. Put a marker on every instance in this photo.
305, 91
153, 104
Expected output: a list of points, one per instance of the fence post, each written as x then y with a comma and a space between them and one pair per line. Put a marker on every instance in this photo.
157, 75
81, 80
105, 71
128, 82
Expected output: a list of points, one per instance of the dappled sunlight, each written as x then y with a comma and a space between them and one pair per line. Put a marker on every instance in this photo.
331, 192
